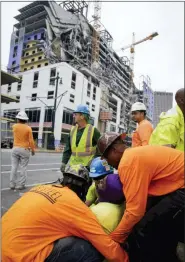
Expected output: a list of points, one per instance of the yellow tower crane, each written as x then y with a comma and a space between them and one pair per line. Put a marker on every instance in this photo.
132, 58
96, 32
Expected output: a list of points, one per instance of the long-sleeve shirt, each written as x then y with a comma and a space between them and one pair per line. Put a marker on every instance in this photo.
142, 134
67, 151
170, 129
45, 214
146, 171
23, 137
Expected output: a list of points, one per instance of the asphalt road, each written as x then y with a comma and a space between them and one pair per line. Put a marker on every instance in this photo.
42, 168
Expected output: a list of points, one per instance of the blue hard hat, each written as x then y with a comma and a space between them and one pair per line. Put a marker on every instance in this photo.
100, 167
84, 109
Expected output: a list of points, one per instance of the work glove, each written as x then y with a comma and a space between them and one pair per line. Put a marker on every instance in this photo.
62, 168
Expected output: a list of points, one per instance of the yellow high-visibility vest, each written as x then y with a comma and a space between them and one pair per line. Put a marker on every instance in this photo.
84, 152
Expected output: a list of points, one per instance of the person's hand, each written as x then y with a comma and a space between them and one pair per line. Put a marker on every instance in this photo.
62, 168
32, 153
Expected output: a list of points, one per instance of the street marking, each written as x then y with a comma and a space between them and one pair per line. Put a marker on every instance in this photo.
38, 164
43, 183
33, 170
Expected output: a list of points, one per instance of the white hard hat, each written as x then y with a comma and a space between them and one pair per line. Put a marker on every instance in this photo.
22, 115
138, 106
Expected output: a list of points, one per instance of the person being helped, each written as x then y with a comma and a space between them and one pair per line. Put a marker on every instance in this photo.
23, 142
144, 129
170, 129
51, 223
106, 186
153, 186
81, 144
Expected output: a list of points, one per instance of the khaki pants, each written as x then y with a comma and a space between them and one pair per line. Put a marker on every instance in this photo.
20, 156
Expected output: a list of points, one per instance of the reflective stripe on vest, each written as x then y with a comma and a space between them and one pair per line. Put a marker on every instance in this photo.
84, 152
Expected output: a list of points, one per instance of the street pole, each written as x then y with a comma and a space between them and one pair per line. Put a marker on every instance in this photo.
51, 144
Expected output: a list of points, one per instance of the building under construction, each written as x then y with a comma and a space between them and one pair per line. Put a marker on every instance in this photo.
49, 33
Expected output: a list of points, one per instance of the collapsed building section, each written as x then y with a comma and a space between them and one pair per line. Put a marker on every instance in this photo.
48, 33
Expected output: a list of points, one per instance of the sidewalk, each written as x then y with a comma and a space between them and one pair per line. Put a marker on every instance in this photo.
39, 150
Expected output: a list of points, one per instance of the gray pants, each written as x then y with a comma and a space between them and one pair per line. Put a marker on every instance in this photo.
20, 156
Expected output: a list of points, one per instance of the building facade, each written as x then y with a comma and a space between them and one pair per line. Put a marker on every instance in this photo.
36, 93
163, 101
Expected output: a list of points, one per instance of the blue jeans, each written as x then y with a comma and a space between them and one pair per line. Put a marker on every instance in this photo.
73, 249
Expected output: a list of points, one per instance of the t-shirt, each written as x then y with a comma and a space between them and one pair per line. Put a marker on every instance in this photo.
147, 171
111, 193
45, 214
23, 137
142, 134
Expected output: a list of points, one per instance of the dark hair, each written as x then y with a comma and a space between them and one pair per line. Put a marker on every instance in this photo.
142, 111
79, 186
22, 121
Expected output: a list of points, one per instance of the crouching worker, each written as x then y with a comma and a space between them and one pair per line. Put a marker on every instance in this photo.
106, 186
51, 223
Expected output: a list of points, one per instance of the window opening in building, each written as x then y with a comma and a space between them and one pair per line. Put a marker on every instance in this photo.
18, 98
94, 93
46, 64
40, 57
19, 83
89, 90
35, 79
33, 114
9, 88
73, 80
25, 69
33, 52
33, 59
48, 114
52, 76
14, 62
31, 67
93, 107
29, 38
33, 97
87, 103
27, 54
35, 37
16, 41
67, 117
11, 113
50, 94
26, 61
72, 98
39, 66
27, 46
42, 35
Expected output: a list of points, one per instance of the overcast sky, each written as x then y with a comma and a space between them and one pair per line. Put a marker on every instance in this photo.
162, 59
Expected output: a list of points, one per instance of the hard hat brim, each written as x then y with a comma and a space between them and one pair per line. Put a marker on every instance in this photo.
22, 118
99, 175
81, 112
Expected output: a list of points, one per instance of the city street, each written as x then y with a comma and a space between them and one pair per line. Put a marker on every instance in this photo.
42, 168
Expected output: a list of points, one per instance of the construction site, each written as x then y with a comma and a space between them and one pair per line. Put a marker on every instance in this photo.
49, 33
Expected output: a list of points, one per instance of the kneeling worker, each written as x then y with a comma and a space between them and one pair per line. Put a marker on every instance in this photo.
51, 220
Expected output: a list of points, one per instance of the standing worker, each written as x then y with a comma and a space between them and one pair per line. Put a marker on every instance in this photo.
23, 142
144, 130
153, 186
170, 129
81, 144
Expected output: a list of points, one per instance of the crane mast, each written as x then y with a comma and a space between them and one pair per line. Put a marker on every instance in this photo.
96, 32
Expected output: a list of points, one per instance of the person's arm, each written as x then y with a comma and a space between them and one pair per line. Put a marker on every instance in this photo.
89, 229
96, 136
135, 179
91, 196
145, 132
67, 151
31, 141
